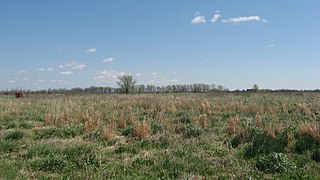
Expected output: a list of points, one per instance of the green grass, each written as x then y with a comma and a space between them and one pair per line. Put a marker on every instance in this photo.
65, 137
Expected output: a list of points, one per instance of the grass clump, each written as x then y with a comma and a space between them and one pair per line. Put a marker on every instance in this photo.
8, 146
275, 163
66, 159
264, 144
191, 130
14, 135
95, 135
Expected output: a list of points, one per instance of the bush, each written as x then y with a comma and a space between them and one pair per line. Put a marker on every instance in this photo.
274, 163
14, 135
191, 130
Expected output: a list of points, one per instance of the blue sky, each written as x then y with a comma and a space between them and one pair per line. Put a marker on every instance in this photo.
236, 43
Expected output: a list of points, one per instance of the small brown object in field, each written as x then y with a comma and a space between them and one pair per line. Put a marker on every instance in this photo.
20, 95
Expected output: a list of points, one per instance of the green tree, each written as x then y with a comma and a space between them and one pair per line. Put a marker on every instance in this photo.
126, 83
255, 87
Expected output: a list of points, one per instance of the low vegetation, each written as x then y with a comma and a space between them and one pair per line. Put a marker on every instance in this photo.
161, 136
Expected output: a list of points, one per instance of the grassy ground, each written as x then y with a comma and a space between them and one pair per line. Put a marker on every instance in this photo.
161, 136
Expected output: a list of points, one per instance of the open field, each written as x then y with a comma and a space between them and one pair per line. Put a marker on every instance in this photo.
161, 136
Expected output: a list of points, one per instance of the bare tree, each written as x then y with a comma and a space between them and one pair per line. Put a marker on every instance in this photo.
126, 83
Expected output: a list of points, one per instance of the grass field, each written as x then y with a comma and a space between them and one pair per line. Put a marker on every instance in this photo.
161, 136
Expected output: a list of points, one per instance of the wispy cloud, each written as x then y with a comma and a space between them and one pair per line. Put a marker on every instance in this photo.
107, 76
108, 60
242, 19
198, 20
12, 81
79, 66
41, 69
91, 50
73, 65
271, 45
66, 73
215, 18
49, 69
22, 72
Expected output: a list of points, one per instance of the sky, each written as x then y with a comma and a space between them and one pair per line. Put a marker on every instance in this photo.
235, 43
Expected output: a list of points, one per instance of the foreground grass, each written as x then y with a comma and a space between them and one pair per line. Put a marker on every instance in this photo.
161, 136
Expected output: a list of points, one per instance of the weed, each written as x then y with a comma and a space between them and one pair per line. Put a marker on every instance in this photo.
275, 163
8, 146
156, 127
191, 130
14, 135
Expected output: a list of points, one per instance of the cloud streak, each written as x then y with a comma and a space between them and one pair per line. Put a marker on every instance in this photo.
242, 19
108, 60
66, 73
91, 50
198, 20
215, 18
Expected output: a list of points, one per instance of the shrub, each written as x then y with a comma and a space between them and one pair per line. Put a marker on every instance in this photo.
274, 163
191, 130
14, 135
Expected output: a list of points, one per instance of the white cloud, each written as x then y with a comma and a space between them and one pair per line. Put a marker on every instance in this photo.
73, 65
138, 74
79, 66
198, 20
25, 79
107, 76
91, 50
154, 74
45, 69
242, 19
41, 69
197, 14
271, 45
66, 73
49, 69
215, 18
22, 72
12, 81
110, 59
40, 81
